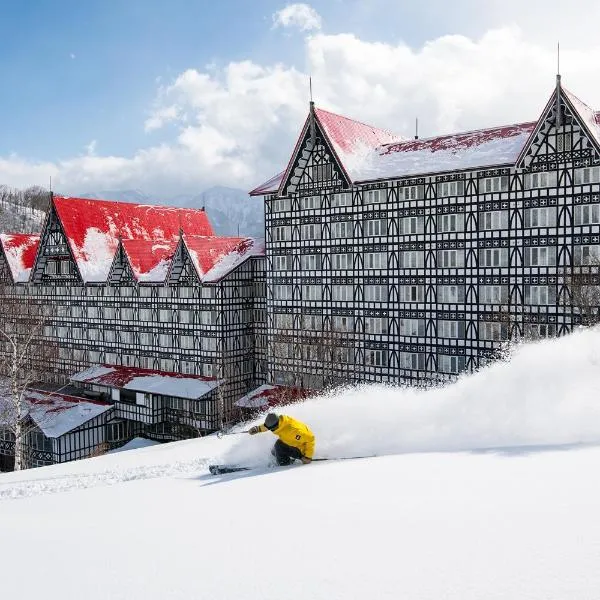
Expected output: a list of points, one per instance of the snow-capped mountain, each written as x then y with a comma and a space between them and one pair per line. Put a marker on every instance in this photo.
230, 210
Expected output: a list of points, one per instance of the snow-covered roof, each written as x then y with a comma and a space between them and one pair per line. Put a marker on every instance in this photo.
20, 250
271, 395
93, 229
149, 381
590, 117
149, 260
214, 257
268, 187
57, 414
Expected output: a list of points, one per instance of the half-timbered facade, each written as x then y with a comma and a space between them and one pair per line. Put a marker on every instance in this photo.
412, 260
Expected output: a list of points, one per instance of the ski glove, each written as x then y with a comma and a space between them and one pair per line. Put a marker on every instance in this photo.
253, 430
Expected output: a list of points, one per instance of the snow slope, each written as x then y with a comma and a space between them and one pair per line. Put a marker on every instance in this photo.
487, 490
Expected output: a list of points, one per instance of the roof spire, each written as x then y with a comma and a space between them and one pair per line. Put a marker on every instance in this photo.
558, 88
311, 117
416, 128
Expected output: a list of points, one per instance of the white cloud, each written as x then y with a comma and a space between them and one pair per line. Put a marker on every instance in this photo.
301, 16
236, 125
91, 148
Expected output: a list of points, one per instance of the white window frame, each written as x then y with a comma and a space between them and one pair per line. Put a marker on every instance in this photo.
540, 256
310, 262
311, 231
341, 229
375, 260
451, 259
375, 228
493, 257
492, 220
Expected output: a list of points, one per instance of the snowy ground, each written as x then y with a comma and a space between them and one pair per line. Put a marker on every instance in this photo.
483, 489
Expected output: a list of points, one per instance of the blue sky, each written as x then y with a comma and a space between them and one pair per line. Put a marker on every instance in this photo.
75, 72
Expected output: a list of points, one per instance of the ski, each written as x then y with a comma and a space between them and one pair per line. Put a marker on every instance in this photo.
224, 469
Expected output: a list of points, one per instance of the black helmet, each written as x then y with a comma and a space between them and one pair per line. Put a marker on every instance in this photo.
272, 421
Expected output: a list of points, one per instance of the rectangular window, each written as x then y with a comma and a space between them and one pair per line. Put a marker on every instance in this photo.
494, 219
310, 202
493, 184
342, 293
283, 350
311, 292
450, 364
493, 257
341, 229
412, 192
282, 263
312, 322
540, 256
450, 188
587, 175
376, 358
587, 214
492, 331
375, 227
310, 262
280, 205
282, 233
412, 225
451, 223
282, 292
344, 199
284, 321
451, 329
586, 255
341, 261
493, 294
448, 259
164, 315
563, 142
540, 330
414, 361
542, 179
342, 323
540, 217
374, 196
376, 293
412, 327
322, 172
541, 295
376, 325
375, 260
451, 294
411, 293
343, 355
412, 259
164, 339
311, 231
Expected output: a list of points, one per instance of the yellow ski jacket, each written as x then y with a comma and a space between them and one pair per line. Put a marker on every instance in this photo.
294, 433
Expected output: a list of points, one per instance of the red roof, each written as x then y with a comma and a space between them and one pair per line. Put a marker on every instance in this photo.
20, 250
149, 260
93, 228
272, 395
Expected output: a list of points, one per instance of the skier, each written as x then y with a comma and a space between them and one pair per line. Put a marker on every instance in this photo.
296, 440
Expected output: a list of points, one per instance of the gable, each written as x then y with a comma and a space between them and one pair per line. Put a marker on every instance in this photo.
120, 271
182, 270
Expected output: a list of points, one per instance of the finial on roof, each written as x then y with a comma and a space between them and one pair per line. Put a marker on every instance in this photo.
558, 84
310, 87
311, 117
416, 128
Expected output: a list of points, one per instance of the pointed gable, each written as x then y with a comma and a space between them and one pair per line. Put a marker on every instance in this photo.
93, 228
19, 250
149, 260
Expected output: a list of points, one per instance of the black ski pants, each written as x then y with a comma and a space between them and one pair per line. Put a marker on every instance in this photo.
284, 453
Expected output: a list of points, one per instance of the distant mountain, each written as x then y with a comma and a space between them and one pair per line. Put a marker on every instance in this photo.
230, 210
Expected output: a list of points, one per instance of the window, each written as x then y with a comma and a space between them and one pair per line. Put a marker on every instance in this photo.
587, 175
207, 317
284, 321
110, 335
411, 293
375, 260
412, 327
343, 355
282, 233
208, 293
540, 180
312, 322
586, 255
494, 219
342, 323
208, 344
375, 227
185, 316
376, 358
282, 292
450, 364
341, 261
145, 314
376, 293
540, 217
493, 184
375, 196
493, 257
322, 172
311, 292
450, 223
342, 293
310, 262
282, 263
540, 256
164, 315
341, 229
412, 259
451, 258
38, 441
411, 225
539, 330
451, 329
311, 231
450, 188
451, 293
587, 214
541, 295
344, 199
412, 192
412, 360
493, 294
310, 202
492, 331
280, 205
283, 350
376, 325
563, 142
164, 340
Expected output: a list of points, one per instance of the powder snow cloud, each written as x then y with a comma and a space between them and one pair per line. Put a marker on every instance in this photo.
236, 124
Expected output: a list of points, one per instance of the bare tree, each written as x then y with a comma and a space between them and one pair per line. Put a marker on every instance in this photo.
583, 285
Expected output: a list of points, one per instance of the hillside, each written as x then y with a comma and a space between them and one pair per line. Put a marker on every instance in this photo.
481, 489
16, 218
